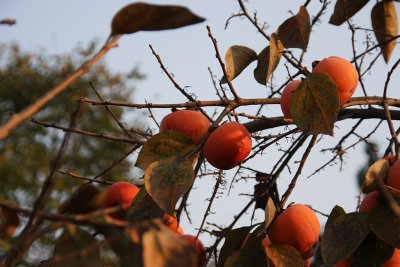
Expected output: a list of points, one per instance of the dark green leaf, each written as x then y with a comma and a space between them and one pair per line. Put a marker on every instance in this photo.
237, 58
386, 225
336, 212
295, 31
150, 17
248, 256
343, 236
143, 207
345, 9
86, 198
315, 104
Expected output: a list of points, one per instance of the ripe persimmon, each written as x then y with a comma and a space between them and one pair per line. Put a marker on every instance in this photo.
121, 193
172, 224
198, 247
191, 123
393, 179
370, 201
286, 97
297, 226
394, 261
228, 145
342, 73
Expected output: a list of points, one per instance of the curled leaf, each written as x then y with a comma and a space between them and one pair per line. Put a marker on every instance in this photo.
315, 104
237, 58
150, 17
345, 9
378, 170
385, 25
295, 31
284, 255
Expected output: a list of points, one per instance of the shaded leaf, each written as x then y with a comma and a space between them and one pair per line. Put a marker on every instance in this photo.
237, 58
336, 212
167, 180
372, 252
295, 31
86, 198
343, 236
386, 225
315, 104
150, 17
284, 255
378, 170
268, 60
345, 9
270, 212
385, 25
163, 248
143, 207
9, 222
76, 247
248, 256
233, 241
161, 146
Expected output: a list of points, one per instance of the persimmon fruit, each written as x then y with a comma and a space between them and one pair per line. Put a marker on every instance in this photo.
394, 261
228, 145
172, 224
286, 98
297, 226
120, 193
191, 123
342, 73
370, 201
198, 247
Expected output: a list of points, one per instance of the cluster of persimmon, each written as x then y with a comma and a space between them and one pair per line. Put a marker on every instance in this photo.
297, 226
342, 73
375, 200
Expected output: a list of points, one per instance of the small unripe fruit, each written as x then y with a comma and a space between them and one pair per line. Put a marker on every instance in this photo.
393, 179
121, 193
286, 98
342, 73
297, 226
198, 247
191, 123
228, 145
370, 201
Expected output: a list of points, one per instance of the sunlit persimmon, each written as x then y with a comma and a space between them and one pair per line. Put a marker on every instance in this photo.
198, 247
121, 193
191, 123
370, 201
172, 224
286, 98
343, 74
393, 179
297, 226
228, 145
394, 261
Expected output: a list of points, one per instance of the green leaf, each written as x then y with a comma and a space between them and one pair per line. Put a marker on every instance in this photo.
237, 58
162, 146
86, 198
345, 9
143, 207
248, 256
386, 225
167, 180
150, 17
372, 252
315, 104
233, 241
72, 245
378, 170
163, 248
295, 31
336, 212
284, 255
268, 60
343, 236
385, 25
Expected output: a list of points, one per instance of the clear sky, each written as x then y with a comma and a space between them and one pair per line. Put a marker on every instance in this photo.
58, 26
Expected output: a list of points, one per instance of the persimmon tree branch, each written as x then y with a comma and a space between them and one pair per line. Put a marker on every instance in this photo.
37, 106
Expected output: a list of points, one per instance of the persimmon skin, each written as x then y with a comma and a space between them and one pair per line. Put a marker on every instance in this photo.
172, 224
394, 261
342, 264
297, 226
286, 98
393, 179
120, 193
370, 201
198, 247
228, 145
342, 73
191, 123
